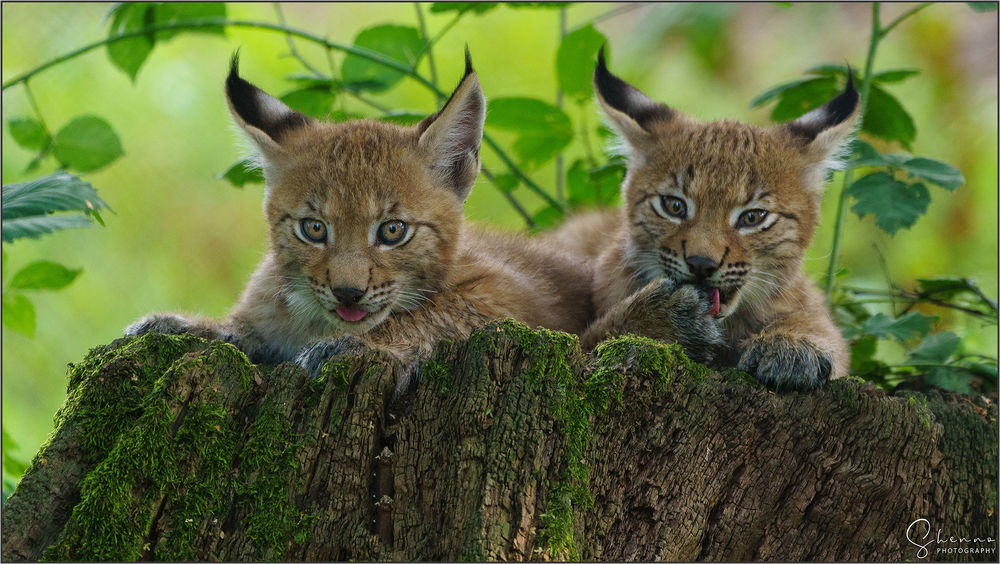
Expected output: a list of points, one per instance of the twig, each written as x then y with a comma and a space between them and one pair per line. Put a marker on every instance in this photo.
291, 44
427, 46
510, 198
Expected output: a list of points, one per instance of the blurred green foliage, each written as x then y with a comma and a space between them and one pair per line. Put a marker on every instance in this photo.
903, 270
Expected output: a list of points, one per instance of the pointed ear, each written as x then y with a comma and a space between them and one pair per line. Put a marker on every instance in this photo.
822, 134
264, 118
451, 137
631, 112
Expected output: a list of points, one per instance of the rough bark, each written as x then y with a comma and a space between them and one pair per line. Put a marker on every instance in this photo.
513, 446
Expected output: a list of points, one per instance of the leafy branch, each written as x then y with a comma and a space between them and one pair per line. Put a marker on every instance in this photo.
361, 52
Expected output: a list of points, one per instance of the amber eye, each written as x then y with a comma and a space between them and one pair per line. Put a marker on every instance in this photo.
313, 230
391, 232
670, 206
751, 218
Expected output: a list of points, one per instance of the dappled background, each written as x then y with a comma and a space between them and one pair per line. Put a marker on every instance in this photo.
182, 237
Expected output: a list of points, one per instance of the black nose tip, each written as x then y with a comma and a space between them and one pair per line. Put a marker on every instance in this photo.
701, 266
347, 295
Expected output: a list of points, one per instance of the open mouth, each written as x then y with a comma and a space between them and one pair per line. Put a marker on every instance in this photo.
351, 314
718, 297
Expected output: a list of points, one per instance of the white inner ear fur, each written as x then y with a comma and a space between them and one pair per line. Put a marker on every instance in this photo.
455, 135
828, 151
631, 138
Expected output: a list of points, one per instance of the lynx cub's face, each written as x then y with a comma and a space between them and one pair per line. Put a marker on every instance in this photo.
723, 205
364, 216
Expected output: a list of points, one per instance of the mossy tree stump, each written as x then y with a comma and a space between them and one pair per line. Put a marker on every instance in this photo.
514, 446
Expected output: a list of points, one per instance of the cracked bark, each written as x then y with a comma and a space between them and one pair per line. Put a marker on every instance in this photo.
514, 446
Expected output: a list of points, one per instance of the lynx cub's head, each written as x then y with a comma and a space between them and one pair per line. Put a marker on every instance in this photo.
724, 205
364, 215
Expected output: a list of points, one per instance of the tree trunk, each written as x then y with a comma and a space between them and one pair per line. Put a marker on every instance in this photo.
514, 446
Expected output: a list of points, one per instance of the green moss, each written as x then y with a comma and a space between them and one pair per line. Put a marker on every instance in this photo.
109, 523
106, 390
180, 461
436, 371
646, 358
918, 402
267, 461
337, 370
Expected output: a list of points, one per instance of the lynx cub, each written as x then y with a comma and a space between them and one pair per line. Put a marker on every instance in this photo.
367, 246
707, 248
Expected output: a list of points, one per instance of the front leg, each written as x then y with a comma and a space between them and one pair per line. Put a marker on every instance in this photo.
784, 362
314, 357
663, 311
174, 324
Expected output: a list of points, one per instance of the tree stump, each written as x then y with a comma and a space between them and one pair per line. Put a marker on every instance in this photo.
514, 446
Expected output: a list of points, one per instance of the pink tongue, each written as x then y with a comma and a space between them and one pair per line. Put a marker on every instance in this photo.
351, 313
715, 302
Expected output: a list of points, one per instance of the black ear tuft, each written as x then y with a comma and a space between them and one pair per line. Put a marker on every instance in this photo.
258, 108
468, 62
832, 113
627, 99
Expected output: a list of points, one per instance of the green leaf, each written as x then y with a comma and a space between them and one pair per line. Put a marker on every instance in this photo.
399, 43
243, 172
897, 75
87, 143
19, 314
775, 92
463, 7
28, 132
547, 217
828, 69
935, 172
575, 61
36, 226
178, 12
983, 6
403, 117
43, 275
59, 191
578, 188
863, 355
886, 119
11, 465
943, 285
314, 101
913, 324
809, 95
866, 155
936, 348
129, 54
506, 182
895, 204
543, 129
26, 205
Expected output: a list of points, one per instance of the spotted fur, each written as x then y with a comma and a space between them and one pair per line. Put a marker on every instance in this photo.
720, 206
330, 187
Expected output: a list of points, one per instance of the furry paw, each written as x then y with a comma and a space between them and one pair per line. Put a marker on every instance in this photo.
694, 329
786, 363
314, 357
168, 323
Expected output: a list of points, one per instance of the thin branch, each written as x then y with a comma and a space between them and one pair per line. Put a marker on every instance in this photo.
291, 44
560, 160
903, 16
615, 12
34, 106
427, 48
362, 52
520, 174
510, 198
